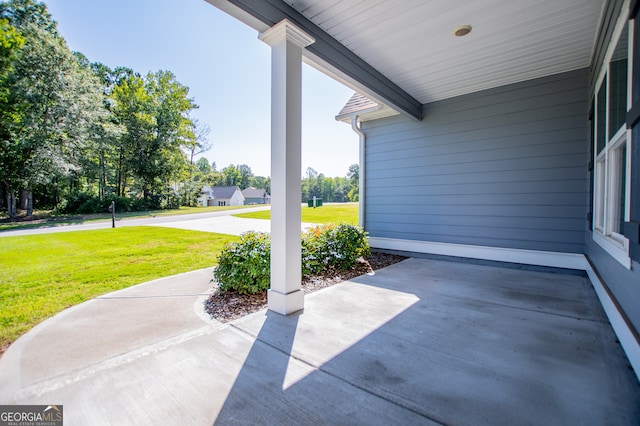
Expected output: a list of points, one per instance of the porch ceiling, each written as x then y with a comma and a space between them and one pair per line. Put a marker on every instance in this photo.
412, 43
403, 53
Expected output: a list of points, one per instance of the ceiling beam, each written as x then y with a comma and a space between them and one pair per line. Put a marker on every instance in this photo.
262, 14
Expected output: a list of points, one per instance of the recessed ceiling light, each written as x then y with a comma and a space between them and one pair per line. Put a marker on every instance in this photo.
462, 30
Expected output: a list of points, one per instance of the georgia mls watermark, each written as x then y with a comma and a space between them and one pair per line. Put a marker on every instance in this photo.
30, 415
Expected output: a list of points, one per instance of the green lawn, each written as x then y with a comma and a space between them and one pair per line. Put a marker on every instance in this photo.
40, 275
61, 220
329, 213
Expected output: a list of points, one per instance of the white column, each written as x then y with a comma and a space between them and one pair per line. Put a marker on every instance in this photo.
287, 41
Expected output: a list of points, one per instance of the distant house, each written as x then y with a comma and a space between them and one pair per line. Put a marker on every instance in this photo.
221, 196
256, 196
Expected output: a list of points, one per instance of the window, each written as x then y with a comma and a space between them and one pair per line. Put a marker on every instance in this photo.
610, 147
222, 203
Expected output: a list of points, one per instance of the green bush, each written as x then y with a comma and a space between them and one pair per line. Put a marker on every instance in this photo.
80, 202
333, 246
123, 204
85, 203
244, 266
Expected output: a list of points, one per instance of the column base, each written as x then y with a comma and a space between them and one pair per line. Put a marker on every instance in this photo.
285, 304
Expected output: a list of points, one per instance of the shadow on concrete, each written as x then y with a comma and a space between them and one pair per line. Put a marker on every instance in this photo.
258, 394
468, 345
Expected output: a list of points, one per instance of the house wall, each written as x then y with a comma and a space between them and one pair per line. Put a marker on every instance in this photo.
237, 199
255, 200
505, 167
217, 201
622, 283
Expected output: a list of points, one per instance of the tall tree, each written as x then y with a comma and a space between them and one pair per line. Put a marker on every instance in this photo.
246, 176
199, 143
231, 176
53, 99
203, 166
154, 112
354, 177
10, 42
104, 155
28, 14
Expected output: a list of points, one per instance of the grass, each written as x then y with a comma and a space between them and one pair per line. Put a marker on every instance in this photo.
40, 275
51, 220
329, 213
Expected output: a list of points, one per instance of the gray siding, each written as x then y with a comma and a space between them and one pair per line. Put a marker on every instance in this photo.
506, 167
623, 284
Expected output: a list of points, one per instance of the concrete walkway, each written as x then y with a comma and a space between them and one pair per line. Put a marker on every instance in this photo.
420, 342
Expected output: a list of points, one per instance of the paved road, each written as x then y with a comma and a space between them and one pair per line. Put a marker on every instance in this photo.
221, 221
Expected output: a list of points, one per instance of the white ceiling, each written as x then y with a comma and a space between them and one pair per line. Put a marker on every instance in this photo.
411, 42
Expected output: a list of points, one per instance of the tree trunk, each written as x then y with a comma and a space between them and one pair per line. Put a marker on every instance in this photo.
22, 199
103, 175
11, 202
123, 186
120, 183
30, 201
55, 195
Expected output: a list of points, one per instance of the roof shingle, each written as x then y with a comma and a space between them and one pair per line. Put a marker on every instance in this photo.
356, 103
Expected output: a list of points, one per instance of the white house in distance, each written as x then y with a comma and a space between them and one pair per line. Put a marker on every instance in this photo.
255, 196
221, 196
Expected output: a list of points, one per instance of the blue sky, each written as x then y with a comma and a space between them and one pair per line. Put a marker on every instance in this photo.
226, 68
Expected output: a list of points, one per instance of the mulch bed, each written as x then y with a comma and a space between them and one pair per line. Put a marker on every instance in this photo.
231, 305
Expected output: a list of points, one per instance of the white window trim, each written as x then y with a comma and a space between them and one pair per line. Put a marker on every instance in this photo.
615, 244
613, 249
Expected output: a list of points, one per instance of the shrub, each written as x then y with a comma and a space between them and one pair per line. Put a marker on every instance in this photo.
139, 204
170, 200
80, 202
244, 266
123, 204
333, 246
313, 252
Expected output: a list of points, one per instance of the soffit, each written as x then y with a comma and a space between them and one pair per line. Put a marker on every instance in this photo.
411, 42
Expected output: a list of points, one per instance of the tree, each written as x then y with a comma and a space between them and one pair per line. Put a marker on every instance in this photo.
262, 183
231, 176
102, 161
246, 176
154, 111
10, 42
203, 166
314, 183
52, 102
28, 14
336, 189
354, 173
200, 139
354, 177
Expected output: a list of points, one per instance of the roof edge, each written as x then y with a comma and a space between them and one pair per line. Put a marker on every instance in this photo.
328, 55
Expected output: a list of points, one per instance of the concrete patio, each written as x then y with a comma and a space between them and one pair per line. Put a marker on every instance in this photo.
420, 342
